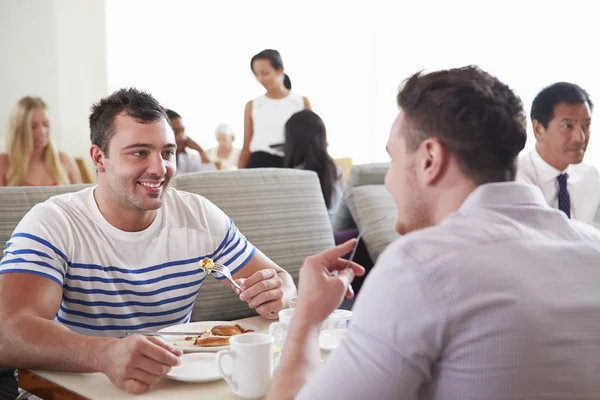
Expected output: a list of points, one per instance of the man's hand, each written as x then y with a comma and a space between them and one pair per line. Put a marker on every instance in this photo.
263, 291
324, 281
137, 362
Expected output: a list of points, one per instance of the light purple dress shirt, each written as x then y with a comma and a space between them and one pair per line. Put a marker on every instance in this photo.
499, 301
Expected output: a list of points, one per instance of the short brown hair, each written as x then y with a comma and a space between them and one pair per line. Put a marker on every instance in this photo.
132, 102
477, 118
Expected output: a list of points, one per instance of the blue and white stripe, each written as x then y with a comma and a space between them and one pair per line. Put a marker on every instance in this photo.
117, 297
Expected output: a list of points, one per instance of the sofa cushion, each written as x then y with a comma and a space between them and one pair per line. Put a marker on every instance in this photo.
15, 202
365, 174
280, 211
374, 211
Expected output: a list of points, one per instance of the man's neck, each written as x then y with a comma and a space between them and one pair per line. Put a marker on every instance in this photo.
451, 199
547, 157
125, 219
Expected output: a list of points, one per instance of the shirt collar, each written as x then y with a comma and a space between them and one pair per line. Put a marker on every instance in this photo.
545, 171
504, 194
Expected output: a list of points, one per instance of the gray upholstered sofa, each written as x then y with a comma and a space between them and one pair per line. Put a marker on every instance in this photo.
368, 206
281, 211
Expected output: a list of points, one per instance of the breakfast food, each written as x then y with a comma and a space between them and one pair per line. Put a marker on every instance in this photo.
228, 330
207, 264
217, 336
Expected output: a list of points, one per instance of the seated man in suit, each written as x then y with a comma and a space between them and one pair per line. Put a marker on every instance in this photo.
561, 115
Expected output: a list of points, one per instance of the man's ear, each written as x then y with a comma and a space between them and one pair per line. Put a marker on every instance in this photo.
434, 157
98, 158
538, 130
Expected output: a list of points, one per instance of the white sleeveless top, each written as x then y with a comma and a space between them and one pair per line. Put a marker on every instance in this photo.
269, 117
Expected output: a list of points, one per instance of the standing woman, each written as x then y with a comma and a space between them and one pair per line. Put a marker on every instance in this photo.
266, 115
32, 159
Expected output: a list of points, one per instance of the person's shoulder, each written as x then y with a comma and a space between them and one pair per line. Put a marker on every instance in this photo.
60, 209
3, 159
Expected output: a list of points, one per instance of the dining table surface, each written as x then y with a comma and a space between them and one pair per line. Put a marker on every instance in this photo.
52, 385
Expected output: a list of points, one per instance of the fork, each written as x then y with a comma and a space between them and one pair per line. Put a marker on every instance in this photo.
224, 270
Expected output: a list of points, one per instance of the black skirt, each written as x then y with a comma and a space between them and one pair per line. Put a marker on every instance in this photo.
262, 159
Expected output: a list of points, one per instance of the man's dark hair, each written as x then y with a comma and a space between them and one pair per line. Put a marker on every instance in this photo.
132, 102
542, 108
477, 118
172, 114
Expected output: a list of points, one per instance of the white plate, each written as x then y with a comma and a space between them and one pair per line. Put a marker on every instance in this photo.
330, 339
187, 346
196, 367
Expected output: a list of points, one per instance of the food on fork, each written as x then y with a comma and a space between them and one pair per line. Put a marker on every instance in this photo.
207, 264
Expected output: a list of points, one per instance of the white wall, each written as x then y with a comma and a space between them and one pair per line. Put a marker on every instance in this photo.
348, 57
54, 49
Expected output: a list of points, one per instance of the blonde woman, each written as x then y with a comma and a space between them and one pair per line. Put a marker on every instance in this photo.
32, 159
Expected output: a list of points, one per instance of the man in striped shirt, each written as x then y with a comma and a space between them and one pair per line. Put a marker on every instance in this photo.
83, 268
490, 294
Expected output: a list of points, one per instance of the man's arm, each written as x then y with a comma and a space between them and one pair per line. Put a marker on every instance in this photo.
393, 340
266, 287
195, 146
29, 338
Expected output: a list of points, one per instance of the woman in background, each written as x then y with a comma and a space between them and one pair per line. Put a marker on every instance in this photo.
225, 156
306, 148
32, 159
266, 115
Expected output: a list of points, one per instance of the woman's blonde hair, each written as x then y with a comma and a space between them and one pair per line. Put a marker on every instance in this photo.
19, 144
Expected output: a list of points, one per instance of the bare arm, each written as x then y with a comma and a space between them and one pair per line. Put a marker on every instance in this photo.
248, 134
266, 287
3, 168
28, 336
320, 293
306, 103
71, 166
195, 146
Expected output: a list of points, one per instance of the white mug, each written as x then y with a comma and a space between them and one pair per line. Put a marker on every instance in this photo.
252, 363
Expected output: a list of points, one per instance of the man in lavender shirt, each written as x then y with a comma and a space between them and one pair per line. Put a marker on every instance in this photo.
489, 293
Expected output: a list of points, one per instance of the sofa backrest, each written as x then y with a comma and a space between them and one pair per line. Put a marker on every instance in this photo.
281, 212
16, 201
363, 174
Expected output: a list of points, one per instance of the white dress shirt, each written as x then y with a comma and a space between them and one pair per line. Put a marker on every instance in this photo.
190, 161
500, 301
583, 185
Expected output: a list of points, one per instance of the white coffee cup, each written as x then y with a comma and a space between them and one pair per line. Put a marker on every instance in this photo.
338, 319
252, 364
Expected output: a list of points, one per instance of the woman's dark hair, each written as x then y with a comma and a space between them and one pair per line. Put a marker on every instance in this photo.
276, 62
306, 147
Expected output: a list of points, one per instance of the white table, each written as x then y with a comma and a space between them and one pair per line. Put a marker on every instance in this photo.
96, 386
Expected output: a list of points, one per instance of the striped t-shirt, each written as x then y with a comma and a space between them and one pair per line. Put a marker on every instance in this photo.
115, 281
